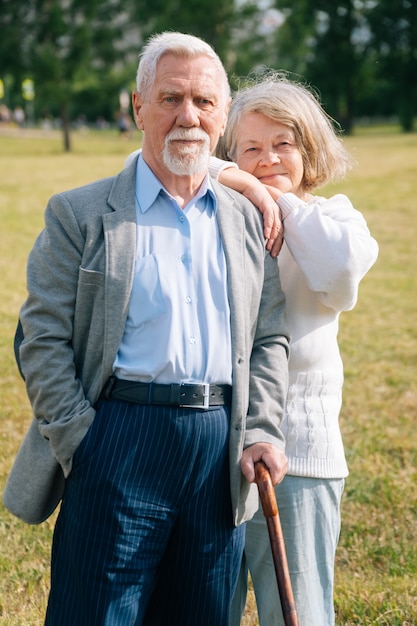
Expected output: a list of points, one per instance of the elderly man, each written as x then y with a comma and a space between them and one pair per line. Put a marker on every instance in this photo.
155, 359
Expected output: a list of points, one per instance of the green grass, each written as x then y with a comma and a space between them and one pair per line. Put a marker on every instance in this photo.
376, 576
377, 557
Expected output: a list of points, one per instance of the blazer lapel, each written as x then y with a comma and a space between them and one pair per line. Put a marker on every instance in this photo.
232, 231
120, 242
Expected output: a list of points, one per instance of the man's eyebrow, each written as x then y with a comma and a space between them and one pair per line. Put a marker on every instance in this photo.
169, 91
210, 95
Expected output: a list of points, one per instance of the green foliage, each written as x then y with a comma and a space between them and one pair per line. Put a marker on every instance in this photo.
61, 44
362, 56
318, 36
210, 21
394, 39
74, 41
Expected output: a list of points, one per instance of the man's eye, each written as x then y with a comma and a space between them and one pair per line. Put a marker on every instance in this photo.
204, 102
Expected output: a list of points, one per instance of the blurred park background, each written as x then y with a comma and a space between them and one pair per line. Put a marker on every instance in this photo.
71, 63
67, 68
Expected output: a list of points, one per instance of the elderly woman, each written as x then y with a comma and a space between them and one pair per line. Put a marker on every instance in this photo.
279, 133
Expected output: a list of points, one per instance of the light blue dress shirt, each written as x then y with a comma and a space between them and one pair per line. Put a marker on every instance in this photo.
178, 324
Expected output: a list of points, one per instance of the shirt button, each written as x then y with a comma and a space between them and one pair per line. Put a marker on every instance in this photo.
184, 258
192, 340
188, 299
182, 218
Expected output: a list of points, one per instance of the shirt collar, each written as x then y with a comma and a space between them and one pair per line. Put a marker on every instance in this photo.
148, 187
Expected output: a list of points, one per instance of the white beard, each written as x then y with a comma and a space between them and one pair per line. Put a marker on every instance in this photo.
189, 160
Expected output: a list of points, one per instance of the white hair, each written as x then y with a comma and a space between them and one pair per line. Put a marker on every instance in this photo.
181, 45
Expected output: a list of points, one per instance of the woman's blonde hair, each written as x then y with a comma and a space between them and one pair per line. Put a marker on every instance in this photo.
293, 104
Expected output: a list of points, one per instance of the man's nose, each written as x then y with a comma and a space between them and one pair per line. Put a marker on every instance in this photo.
188, 115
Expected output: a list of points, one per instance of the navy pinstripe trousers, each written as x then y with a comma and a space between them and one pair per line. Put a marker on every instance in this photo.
147, 509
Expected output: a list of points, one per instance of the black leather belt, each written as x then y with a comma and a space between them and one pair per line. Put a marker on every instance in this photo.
181, 395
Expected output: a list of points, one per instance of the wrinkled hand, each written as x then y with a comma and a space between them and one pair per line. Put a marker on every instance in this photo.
273, 226
262, 196
273, 457
273, 231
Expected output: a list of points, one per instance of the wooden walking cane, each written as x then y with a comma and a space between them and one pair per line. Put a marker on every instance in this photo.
279, 555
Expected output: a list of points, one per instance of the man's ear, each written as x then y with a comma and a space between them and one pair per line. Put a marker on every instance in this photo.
137, 108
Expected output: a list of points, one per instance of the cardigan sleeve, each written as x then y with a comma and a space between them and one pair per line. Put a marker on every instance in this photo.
332, 245
216, 166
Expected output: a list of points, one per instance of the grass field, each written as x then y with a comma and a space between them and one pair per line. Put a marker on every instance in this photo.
376, 576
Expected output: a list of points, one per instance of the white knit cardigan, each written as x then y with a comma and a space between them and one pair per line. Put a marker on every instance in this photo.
328, 249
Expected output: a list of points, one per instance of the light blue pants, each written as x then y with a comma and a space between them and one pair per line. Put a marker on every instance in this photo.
309, 510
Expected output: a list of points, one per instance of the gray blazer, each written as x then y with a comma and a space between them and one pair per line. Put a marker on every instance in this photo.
80, 274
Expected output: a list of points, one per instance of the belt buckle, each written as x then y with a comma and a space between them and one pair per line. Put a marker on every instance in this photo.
206, 398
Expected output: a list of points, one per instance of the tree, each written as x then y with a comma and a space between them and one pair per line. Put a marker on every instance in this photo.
210, 21
14, 46
230, 26
321, 40
63, 44
360, 54
394, 44
75, 42
74, 49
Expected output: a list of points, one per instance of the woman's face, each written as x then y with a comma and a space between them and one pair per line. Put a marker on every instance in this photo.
268, 150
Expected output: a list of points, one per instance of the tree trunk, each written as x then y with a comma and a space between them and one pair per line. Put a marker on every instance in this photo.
65, 122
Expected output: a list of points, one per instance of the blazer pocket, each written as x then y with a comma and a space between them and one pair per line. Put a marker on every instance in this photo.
90, 277
89, 304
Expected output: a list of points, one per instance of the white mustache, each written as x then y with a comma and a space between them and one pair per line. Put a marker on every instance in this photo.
187, 134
